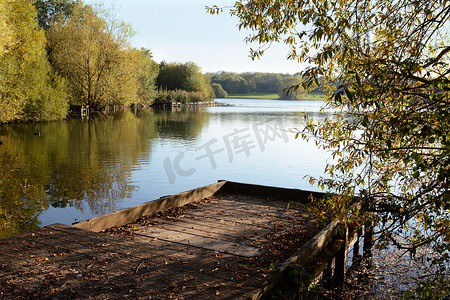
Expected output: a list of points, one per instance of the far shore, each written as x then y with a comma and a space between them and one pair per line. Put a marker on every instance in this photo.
312, 96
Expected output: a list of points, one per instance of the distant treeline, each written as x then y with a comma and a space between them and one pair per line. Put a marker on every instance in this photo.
54, 53
225, 83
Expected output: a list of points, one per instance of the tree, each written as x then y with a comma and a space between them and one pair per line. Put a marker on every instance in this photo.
245, 83
219, 91
50, 10
391, 139
231, 82
252, 81
29, 89
183, 76
148, 73
269, 83
290, 88
6, 33
91, 50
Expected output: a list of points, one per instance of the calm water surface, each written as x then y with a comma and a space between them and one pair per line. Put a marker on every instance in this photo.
77, 169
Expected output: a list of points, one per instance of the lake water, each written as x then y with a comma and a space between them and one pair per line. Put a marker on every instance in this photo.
76, 169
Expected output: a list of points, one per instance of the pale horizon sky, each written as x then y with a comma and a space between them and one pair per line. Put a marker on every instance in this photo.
181, 31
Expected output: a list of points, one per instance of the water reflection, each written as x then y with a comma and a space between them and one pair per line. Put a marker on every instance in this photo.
76, 169
183, 124
21, 198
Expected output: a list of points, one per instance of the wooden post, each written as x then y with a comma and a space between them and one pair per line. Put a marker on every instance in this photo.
328, 273
341, 261
357, 246
368, 238
84, 111
368, 243
133, 108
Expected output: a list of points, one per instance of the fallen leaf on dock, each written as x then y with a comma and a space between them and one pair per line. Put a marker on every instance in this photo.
265, 270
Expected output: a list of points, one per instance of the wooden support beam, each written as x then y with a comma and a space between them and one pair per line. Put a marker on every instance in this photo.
341, 260
368, 238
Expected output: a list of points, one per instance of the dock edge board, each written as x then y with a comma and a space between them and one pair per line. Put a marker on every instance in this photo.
131, 214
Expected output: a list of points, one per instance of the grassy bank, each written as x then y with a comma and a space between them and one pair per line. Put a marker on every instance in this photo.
274, 96
254, 96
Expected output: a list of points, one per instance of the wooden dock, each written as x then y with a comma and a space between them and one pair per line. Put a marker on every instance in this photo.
79, 111
223, 241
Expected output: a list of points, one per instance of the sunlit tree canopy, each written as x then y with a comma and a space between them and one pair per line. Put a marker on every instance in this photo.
29, 89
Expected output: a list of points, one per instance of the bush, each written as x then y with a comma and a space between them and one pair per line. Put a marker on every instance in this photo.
198, 97
180, 96
161, 97
165, 97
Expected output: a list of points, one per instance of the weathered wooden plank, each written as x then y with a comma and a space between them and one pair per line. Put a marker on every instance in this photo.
83, 275
226, 230
245, 234
163, 257
285, 194
131, 214
235, 218
249, 202
188, 285
81, 234
212, 263
228, 207
200, 241
313, 247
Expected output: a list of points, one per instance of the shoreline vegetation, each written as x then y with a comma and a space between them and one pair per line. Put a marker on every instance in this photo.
43, 50
44, 71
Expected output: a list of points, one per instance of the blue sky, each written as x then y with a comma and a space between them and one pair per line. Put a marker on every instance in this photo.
180, 31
